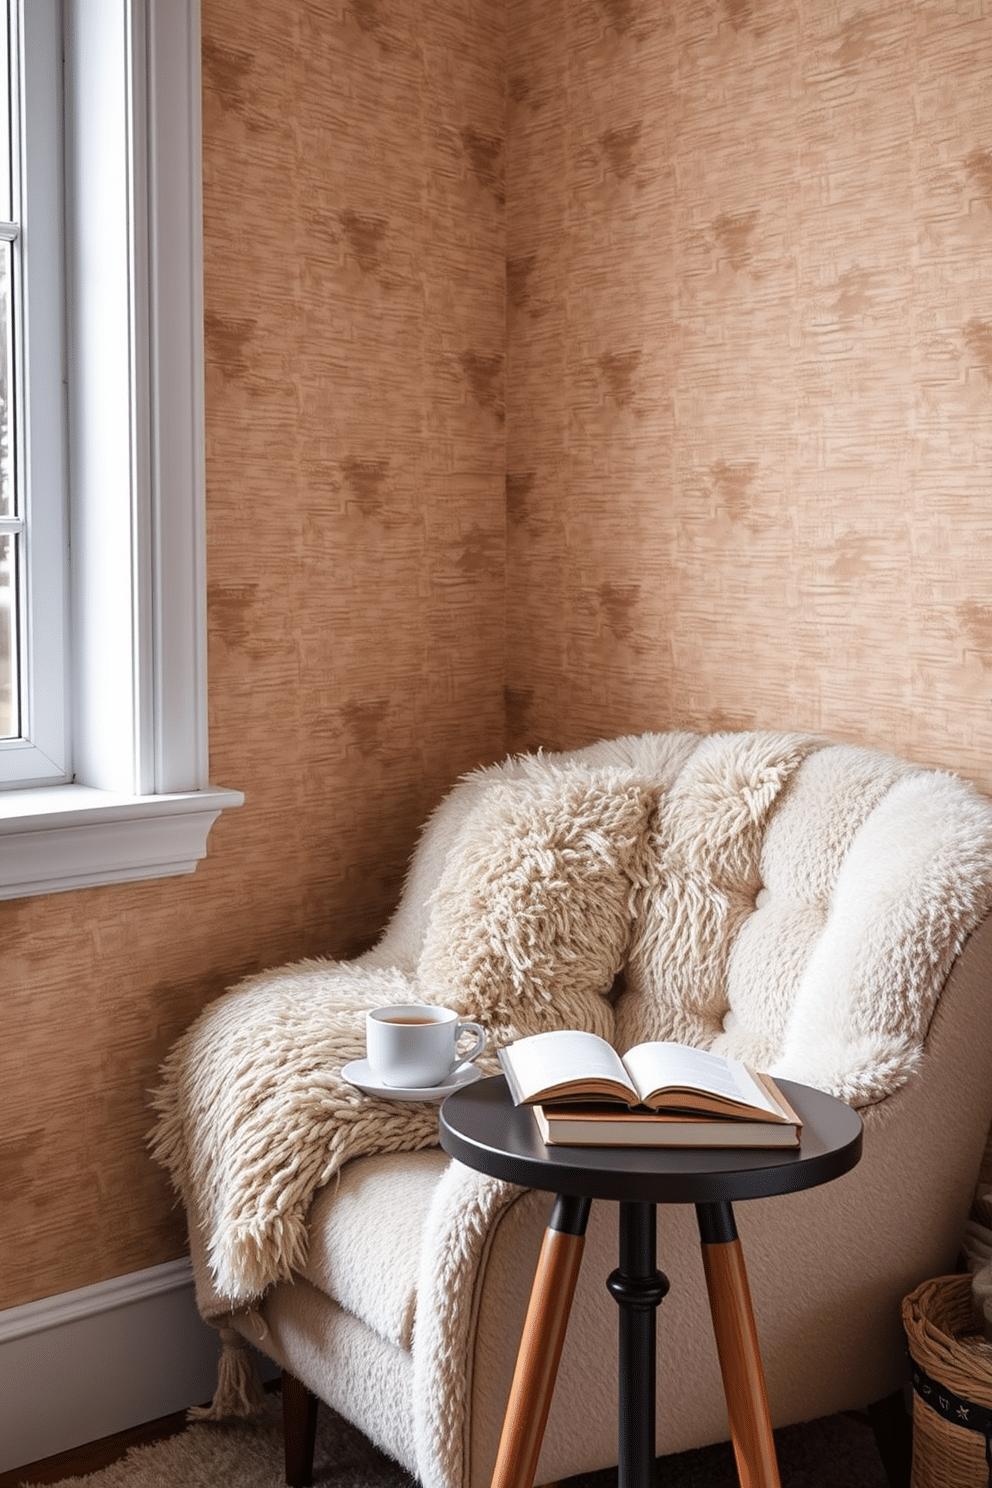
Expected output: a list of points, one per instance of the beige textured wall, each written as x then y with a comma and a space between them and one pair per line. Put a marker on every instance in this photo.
750, 370
355, 339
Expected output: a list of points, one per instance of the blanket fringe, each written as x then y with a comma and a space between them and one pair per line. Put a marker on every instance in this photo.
239, 1390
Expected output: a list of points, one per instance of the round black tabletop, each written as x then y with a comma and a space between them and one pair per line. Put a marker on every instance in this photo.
482, 1128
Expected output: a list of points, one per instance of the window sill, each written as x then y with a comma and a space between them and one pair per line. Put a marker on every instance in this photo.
73, 837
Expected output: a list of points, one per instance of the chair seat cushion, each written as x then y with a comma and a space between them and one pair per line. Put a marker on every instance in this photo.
366, 1229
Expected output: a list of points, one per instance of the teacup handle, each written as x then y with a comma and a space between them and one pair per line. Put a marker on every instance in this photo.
480, 1042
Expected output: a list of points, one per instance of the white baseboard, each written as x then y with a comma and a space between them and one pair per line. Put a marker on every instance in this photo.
95, 1361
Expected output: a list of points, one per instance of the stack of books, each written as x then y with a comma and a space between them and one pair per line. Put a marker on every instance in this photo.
585, 1094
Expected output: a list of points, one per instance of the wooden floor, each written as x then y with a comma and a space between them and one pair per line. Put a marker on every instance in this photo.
99, 1454
94, 1455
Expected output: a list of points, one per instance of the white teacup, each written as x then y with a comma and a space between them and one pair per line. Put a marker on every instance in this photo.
415, 1045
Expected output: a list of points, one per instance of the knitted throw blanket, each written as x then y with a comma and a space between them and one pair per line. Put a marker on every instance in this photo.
535, 883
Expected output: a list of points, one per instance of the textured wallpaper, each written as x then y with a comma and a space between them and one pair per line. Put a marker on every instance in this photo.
632, 357
750, 371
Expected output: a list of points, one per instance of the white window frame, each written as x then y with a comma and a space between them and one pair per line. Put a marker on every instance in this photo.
138, 804
38, 412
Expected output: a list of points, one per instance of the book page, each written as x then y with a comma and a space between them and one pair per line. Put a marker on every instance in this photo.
561, 1057
652, 1066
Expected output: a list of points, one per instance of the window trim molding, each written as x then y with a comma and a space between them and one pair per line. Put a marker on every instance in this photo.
70, 837
136, 440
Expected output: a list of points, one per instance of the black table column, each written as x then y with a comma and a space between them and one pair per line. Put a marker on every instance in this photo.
637, 1286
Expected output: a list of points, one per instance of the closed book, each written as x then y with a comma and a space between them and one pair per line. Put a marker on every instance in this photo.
597, 1125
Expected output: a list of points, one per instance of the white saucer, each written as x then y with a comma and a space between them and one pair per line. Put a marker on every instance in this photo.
360, 1075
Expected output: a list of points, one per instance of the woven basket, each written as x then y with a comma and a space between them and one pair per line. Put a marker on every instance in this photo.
952, 1386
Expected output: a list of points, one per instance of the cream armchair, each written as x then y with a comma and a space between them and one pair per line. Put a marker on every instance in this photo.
817, 909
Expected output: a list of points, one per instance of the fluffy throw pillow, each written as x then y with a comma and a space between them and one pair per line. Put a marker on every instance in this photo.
531, 919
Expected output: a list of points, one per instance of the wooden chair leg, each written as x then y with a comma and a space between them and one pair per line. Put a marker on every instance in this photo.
740, 1364
541, 1344
299, 1430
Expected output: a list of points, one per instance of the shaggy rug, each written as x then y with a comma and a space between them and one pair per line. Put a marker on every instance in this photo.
836, 1452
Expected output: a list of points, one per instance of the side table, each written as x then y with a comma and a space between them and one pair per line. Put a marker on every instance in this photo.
481, 1127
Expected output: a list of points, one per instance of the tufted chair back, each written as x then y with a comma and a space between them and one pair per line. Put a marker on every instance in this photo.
803, 903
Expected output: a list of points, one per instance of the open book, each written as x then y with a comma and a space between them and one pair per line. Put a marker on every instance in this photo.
667, 1087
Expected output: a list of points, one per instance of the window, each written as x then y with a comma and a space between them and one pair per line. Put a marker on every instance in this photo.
33, 739
129, 797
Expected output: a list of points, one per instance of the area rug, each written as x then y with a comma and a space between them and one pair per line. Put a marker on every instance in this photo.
836, 1452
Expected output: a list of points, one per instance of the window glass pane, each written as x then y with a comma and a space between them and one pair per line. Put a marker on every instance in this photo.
11, 539
5, 207
9, 723
7, 502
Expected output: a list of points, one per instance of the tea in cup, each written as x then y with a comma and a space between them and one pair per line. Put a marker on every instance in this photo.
414, 1045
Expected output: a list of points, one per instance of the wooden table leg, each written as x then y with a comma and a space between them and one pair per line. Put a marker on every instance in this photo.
737, 1346
541, 1344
